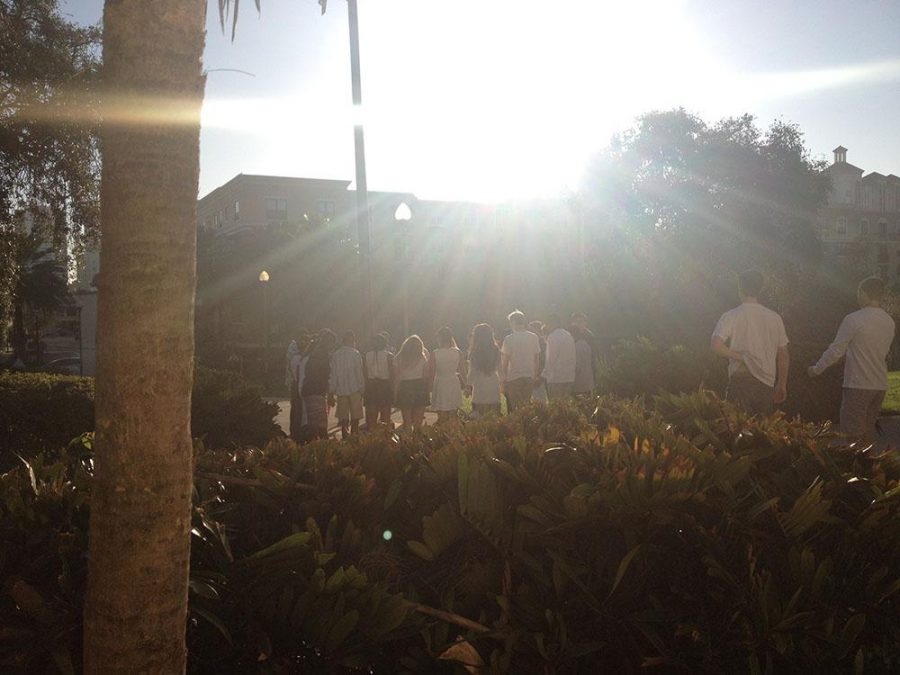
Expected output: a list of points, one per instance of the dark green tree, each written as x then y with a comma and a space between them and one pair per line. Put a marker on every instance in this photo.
675, 206
49, 158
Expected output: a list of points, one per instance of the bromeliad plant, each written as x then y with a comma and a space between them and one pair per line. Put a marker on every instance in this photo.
674, 533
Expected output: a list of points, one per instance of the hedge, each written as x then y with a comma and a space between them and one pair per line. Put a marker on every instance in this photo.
615, 536
40, 411
641, 367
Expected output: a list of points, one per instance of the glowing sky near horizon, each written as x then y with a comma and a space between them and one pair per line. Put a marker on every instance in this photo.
494, 99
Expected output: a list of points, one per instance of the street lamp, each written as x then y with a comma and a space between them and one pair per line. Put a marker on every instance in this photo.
402, 217
264, 280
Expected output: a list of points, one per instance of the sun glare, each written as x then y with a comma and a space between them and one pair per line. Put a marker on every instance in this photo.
488, 100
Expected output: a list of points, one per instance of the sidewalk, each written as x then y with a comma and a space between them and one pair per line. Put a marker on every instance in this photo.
283, 419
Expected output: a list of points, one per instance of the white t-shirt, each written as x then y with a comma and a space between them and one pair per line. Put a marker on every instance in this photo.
521, 346
758, 333
866, 336
561, 357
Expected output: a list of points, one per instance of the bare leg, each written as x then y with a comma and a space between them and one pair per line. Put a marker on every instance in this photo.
418, 417
354, 427
345, 431
406, 414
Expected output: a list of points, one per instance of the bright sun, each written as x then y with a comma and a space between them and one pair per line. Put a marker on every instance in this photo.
490, 99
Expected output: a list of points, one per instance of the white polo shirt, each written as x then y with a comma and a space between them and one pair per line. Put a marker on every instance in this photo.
757, 332
561, 357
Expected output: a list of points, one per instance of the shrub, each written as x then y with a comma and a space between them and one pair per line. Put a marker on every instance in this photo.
640, 367
227, 410
676, 533
40, 411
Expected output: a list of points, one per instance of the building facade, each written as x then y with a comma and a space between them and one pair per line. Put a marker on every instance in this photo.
860, 226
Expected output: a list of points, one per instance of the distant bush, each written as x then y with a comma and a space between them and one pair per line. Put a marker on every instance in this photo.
641, 367
228, 411
611, 537
41, 411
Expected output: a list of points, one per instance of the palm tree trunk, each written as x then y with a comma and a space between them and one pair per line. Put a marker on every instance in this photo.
136, 605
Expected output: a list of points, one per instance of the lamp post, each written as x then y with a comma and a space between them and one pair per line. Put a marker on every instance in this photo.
264, 280
359, 145
402, 218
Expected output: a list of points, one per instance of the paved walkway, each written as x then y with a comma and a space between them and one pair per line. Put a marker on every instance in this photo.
283, 419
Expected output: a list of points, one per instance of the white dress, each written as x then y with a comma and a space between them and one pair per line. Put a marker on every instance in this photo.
447, 394
485, 386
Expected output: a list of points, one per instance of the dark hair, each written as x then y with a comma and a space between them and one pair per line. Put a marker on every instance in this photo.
873, 288
554, 320
483, 352
349, 337
751, 283
445, 338
579, 316
379, 342
323, 344
516, 318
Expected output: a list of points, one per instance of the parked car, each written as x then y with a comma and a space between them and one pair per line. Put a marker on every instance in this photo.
69, 365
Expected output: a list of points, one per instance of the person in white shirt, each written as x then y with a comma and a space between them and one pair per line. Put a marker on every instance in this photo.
520, 362
865, 336
559, 365
347, 383
753, 339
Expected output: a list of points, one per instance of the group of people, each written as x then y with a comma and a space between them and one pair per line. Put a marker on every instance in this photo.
753, 339
541, 361
547, 361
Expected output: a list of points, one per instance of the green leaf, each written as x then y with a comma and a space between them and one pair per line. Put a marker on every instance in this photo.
420, 549
623, 567
341, 630
289, 542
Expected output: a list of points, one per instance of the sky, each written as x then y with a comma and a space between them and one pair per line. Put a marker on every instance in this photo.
506, 99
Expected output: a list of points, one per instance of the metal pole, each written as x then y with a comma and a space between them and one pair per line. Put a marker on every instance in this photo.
362, 193
266, 327
80, 345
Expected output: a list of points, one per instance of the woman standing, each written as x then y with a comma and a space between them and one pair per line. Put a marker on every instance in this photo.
484, 361
314, 390
410, 386
378, 365
446, 366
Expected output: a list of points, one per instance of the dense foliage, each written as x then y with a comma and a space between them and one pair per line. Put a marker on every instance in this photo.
679, 535
676, 206
40, 411
49, 160
642, 367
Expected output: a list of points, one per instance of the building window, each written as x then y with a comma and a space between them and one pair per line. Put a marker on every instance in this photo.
237, 209
841, 226
864, 227
840, 248
883, 255
216, 221
325, 208
276, 209
882, 229
883, 272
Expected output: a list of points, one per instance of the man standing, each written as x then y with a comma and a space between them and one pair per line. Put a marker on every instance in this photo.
347, 384
519, 361
559, 368
585, 354
753, 339
865, 336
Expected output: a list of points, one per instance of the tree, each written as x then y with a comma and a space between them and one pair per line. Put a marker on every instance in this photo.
49, 162
136, 605
40, 286
675, 206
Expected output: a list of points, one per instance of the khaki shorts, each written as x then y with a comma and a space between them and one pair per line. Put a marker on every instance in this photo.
859, 412
350, 407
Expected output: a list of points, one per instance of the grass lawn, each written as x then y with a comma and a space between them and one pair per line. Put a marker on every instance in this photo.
892, 398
